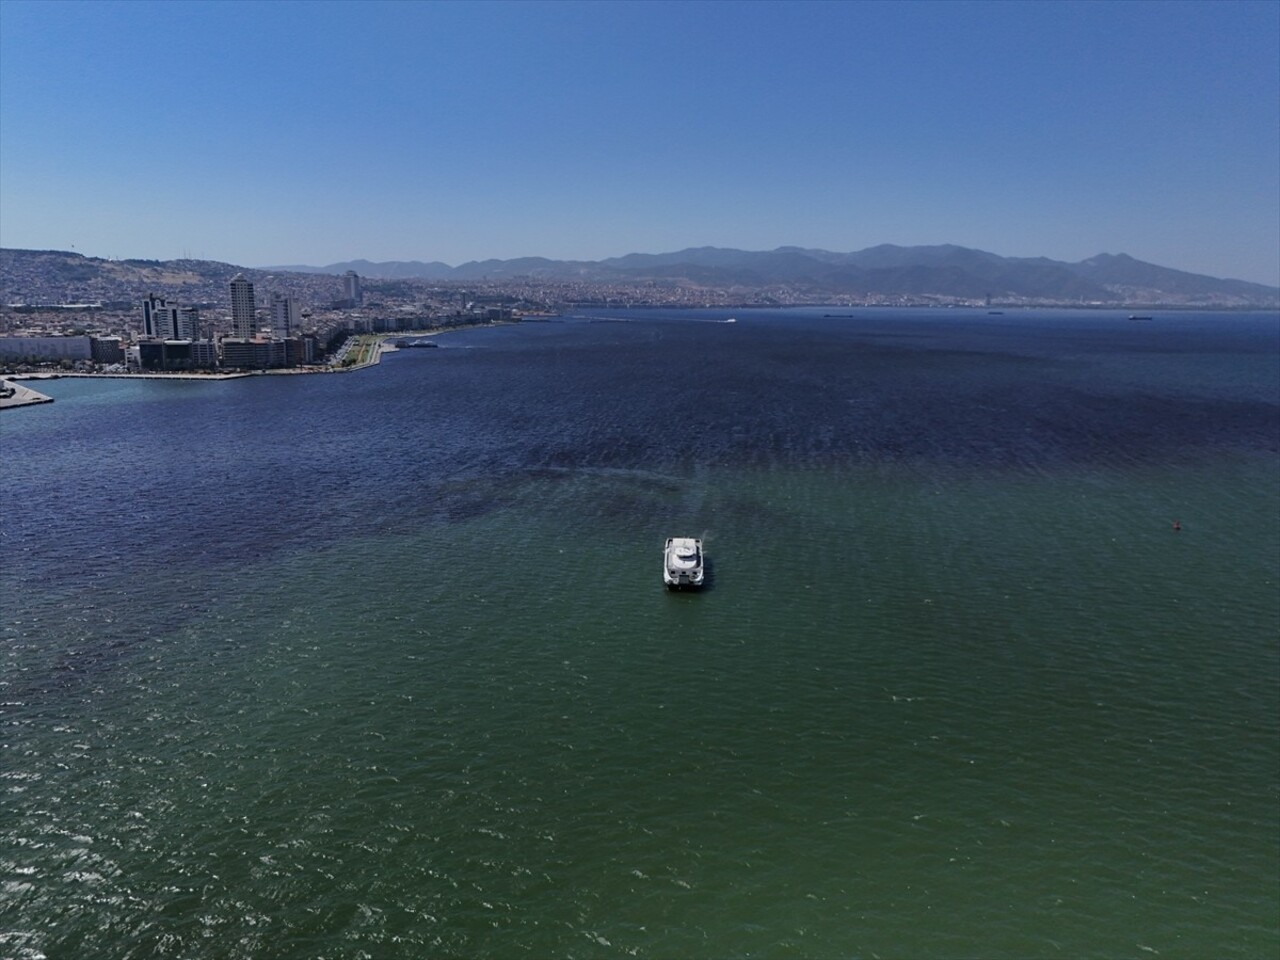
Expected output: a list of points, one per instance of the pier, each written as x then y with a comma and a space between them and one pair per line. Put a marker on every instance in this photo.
16, 395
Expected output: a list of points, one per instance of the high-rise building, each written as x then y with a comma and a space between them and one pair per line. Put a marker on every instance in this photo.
284, 316
188, 323
351, 288
159, 318
243, 308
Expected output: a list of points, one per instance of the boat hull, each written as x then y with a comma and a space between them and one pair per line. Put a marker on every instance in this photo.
684, 584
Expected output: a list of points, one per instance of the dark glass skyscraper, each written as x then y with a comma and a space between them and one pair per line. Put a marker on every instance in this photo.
243, 308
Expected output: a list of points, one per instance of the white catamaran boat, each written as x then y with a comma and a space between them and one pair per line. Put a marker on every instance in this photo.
682, 567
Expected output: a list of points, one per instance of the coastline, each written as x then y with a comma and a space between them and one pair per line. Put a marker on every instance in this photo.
375, 352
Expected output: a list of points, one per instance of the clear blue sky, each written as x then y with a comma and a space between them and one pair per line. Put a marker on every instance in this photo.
284, 132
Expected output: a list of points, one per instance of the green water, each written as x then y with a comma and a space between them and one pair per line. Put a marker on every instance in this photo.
932, 719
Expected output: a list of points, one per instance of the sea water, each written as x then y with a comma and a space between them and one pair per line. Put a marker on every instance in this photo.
380, 664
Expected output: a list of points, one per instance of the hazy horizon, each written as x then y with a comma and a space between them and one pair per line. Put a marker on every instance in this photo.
285, 265
323, 133
281, 264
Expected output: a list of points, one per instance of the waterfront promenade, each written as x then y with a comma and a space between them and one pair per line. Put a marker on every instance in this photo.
366, 349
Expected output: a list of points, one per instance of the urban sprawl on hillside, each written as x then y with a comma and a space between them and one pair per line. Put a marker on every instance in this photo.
81, 313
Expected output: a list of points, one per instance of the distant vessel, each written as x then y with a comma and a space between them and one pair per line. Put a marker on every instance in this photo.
1134, 316
682, 566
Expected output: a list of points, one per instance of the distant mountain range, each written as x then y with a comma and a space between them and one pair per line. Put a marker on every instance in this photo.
885, 270
787, 274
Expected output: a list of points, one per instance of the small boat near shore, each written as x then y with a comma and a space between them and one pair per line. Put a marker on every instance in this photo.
682, 563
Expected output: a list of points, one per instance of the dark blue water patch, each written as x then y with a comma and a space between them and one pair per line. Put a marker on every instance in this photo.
665, 392
1042, 332
229, 473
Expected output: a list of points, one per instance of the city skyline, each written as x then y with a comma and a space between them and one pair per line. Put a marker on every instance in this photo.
455, 132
